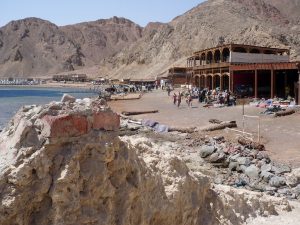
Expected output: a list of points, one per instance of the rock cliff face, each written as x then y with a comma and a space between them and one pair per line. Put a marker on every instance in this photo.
64, 163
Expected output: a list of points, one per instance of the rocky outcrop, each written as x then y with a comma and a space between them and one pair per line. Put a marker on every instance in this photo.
64, 163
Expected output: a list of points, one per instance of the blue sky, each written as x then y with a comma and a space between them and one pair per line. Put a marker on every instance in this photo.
63, 12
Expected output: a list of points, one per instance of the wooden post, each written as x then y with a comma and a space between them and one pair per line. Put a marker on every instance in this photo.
255, 84
231, 81
221, 83
272, 83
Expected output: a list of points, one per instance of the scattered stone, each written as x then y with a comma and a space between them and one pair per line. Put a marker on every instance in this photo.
68, 98
240, 183
213, 158
296, 190
293, 178
234, 157
262, 155
206, 151
252, 172
241, 168
277, 181
284, 191
266, 175
219, 138
244, 161
266, 168
233, 166
218, 180
280, 168
269, 188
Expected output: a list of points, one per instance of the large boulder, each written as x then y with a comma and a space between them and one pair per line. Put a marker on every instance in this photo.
277, 182
68, 98
206, 150
280, 168
266, 175
293, 178
252, 172
246, 161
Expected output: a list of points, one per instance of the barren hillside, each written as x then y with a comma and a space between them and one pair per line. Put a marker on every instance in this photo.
209, 24
35, 47
120, 48
290, 8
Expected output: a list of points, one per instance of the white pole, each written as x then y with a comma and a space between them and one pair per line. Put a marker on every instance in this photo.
258, 129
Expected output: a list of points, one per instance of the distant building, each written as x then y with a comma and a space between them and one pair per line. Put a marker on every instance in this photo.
179, 75
268, 72
70, 77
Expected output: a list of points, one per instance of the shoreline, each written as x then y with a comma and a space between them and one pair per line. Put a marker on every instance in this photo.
54, 85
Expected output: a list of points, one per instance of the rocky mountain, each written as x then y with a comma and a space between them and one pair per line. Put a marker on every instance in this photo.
289, 8
238, 21
120, 48
35, 47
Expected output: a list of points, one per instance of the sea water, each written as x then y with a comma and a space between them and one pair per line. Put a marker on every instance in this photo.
13, 98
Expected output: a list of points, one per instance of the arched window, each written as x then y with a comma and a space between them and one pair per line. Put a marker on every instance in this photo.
202, 58
225, 55
217, 56
209, 57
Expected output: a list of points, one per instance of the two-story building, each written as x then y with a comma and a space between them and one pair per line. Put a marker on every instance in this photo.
267, 71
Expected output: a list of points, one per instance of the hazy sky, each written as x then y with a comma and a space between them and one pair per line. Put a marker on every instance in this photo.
62, 12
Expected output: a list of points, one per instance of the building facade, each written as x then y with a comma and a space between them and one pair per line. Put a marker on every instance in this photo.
267, 72
178, 75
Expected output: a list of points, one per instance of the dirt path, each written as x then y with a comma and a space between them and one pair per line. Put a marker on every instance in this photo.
281, 136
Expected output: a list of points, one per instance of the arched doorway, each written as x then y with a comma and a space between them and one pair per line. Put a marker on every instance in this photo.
197, 81
209, 82
202, 81
216, 81
225, 81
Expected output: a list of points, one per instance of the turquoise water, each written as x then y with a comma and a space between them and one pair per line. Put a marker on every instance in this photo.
13, 98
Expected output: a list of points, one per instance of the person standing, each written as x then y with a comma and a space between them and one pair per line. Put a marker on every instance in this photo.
178, 99
174, 98
190, 101
168, 90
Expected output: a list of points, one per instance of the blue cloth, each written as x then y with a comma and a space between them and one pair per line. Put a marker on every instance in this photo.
149, 123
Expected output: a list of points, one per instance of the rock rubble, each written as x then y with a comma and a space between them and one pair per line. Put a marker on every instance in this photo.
250, 168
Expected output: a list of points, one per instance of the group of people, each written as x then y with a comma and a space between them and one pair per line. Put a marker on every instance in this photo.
178, 97
215, 96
